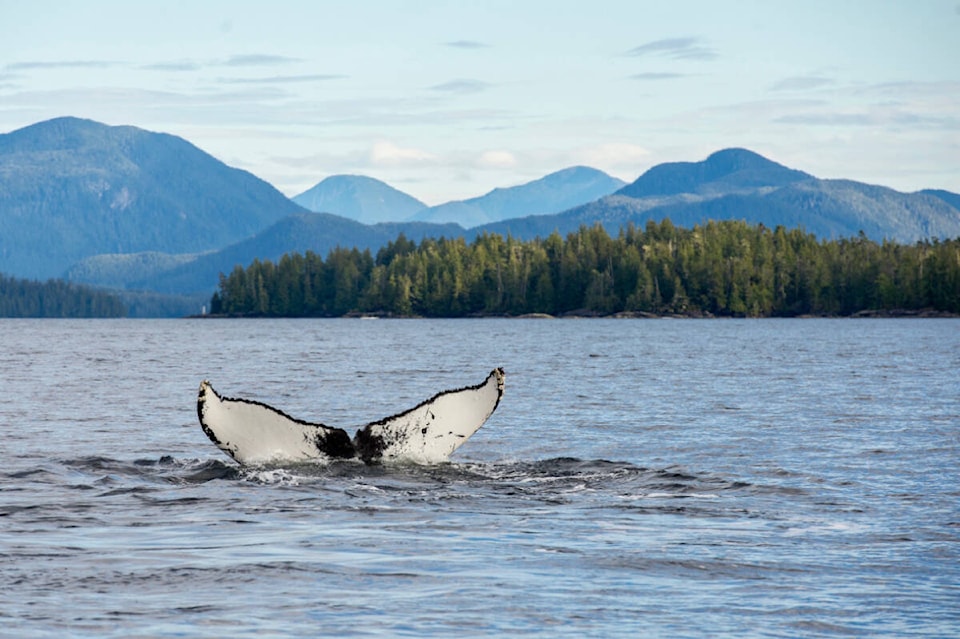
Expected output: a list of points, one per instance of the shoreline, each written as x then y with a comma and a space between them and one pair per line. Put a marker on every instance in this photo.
627, 315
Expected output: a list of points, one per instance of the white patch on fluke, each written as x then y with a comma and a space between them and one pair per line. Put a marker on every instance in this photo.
255, 433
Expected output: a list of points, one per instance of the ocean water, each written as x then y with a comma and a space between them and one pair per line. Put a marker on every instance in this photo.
641, 478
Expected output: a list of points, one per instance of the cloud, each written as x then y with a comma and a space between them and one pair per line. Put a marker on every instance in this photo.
874, 118
186, 65
828, 119
614, 155
466, 44
656, 76
386, 153
496, 160
900, 106
236, 61
61, 64
235, 106
182, 65
461, 86
270, 104
915, 89
675, 48
802, 83
7, 79
284, 79
258, 60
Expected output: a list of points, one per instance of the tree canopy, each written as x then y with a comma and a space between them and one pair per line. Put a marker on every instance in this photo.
727, 268
55, 298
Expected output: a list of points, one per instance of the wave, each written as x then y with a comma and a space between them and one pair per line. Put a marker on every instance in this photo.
567, 471
166, 469
353, 484
94, 490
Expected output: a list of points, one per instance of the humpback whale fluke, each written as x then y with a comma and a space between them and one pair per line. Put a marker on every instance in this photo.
254, 433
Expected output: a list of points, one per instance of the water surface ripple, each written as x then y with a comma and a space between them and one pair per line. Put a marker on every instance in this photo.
641, 478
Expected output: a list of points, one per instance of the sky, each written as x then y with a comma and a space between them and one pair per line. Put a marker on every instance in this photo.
447, 100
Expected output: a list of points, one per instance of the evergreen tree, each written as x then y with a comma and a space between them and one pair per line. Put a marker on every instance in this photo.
55, 298
726, 268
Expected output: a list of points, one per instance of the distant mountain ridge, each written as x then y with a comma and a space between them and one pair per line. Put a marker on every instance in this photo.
126, 208
953, 199
553, 193
740, 184
371, 201
72, 188
364, 199
301, 232
722, 172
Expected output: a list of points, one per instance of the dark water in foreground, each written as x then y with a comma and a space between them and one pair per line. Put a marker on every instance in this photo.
654, 478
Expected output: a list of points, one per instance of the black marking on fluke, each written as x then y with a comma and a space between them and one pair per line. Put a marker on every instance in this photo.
253, 432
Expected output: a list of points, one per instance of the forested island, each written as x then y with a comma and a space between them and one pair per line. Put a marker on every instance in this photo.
55, 298
721, 269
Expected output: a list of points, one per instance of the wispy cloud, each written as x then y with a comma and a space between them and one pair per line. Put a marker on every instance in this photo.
284, 79
906, 105
258, 60
614, 155
687, 48
461, 86
235, 61
875, 118
802, 83
186, 65
61, 64
385, 153
828, 119
182, 65
496, 160
653, 76
466, 44
242, 105
947, 89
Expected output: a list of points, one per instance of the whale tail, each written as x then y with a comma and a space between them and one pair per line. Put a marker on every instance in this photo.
431, 431
252, 432
255, 433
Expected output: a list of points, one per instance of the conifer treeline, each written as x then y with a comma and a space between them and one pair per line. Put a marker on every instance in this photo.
724, 268
55, 298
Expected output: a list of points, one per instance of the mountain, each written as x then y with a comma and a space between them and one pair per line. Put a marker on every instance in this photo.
953, 199
740, 184
301, 232
550, 194
72, 188
360, 198
722, 173
117, 270
126, 208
